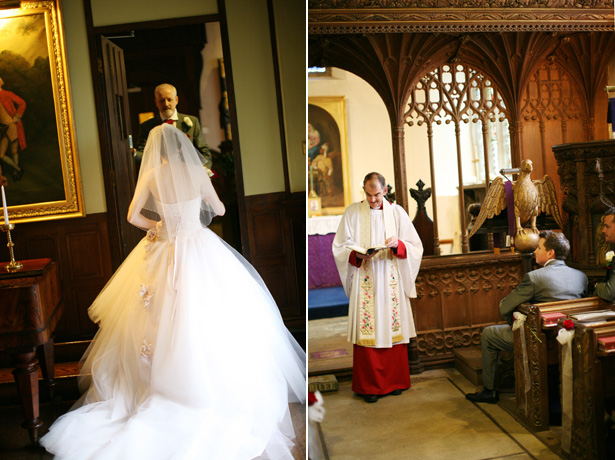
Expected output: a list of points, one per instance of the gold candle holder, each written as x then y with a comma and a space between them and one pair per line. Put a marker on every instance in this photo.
13, 266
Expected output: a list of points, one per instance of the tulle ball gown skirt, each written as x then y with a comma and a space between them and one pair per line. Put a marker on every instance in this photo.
191, 361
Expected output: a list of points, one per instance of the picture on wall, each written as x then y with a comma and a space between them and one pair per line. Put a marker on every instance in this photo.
328, 191
38, 153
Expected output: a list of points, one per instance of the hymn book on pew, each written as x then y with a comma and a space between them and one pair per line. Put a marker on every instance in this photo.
367, 251
550, 319
594, 316
607, 344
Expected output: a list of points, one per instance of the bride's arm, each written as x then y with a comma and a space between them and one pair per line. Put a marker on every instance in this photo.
209, 196
134, 211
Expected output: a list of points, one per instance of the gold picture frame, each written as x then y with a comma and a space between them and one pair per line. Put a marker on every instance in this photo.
40, 162
327, 162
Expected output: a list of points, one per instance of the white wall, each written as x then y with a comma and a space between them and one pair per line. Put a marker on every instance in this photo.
210, 87
255, 96
370, 149
290, 18
86, 129
368, 128
110, 12
445, 163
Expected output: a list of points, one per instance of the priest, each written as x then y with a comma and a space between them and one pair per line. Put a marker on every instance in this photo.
379, 283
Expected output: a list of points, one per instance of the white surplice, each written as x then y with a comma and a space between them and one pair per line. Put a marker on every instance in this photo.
388, 303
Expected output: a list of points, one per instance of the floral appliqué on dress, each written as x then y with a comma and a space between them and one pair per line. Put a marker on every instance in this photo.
146, 296
146, 352
151, 237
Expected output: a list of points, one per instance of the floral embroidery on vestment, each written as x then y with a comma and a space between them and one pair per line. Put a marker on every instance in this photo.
366, 306
394, 298
366, 300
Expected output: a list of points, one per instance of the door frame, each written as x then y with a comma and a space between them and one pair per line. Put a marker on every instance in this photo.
95, 52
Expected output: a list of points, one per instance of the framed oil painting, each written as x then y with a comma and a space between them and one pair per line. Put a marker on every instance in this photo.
327, 153
38, 153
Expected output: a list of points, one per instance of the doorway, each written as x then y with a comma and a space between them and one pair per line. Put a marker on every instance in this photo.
187, 53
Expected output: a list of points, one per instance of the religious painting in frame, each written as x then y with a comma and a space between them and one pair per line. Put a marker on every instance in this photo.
38, 151
327, 155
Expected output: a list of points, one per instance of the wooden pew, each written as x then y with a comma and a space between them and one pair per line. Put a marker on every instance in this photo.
593, 380
542, 350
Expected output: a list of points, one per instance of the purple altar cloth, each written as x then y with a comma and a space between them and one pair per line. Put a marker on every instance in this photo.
322, 271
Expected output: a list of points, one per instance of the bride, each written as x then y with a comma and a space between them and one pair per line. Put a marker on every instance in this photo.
191, 359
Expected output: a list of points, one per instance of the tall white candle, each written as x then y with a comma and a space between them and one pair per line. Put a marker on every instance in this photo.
6, 211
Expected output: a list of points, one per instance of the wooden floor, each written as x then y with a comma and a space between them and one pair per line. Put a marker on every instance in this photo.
15, 443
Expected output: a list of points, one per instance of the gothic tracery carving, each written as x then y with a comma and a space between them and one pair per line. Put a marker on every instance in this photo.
334, 4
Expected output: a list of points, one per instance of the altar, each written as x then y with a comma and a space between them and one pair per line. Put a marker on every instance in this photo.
321, 265
326, 297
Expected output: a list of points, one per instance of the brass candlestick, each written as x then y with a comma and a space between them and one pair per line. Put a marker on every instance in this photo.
13, 266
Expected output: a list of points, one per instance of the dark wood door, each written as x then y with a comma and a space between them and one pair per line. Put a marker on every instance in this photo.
120, 162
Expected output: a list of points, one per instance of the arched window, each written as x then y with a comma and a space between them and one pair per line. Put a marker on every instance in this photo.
465, 113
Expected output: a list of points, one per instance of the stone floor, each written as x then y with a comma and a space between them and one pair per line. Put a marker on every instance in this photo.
431, 420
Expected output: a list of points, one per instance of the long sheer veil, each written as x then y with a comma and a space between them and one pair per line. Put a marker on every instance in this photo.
172, 172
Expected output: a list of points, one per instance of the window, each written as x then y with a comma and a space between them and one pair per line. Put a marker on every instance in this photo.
463, 110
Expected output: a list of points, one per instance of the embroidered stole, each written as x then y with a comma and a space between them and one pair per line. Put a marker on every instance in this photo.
367, 316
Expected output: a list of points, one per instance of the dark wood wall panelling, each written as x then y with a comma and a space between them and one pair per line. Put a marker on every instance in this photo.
457, 296
587, 171
276, 229
81, 249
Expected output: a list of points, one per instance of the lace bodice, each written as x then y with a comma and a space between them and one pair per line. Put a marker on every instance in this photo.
180, 218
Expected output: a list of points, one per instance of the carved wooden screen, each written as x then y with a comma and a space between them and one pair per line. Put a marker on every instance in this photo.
457, 94
552, 114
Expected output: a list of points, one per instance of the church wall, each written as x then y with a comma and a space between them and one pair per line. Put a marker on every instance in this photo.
109, 12
367, 126
290, 35
210, 86
255, 96
86, 130
370, 149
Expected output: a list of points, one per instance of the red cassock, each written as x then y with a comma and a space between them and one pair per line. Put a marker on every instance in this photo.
378, 371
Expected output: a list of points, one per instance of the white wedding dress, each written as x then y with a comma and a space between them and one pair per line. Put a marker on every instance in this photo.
191, 361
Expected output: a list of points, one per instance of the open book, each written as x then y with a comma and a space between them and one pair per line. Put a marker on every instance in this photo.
367, 251
595, 316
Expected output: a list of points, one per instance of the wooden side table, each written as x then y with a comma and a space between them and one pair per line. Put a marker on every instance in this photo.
30, 306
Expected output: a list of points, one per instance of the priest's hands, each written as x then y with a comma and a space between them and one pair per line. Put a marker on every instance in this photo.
365, 256
391, 242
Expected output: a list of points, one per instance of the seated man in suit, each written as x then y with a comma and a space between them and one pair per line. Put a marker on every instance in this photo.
606, 289
165, 97
554, 281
